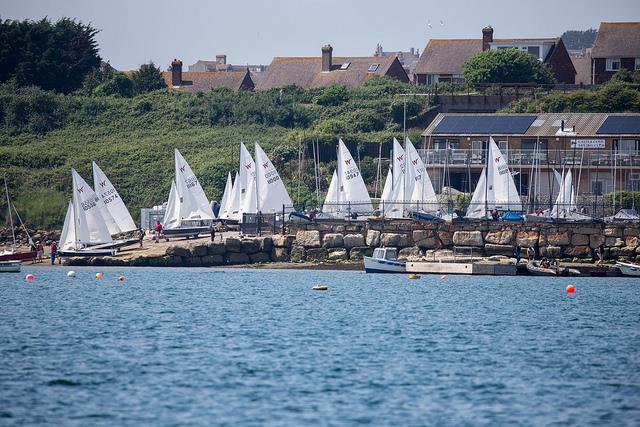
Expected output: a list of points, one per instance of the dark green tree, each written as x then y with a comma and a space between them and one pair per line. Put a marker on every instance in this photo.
118, 85
506, 66
52, 56
148, 78
576, 39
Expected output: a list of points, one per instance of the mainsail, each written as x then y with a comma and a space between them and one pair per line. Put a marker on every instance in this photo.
90, 227
565, 202
248, 196
194, 204
118, 219
331, 201
387, 190
226, 197
272, 195
495, 189
231, 212
172, 211
68, 238
402, 183
352, 192
423, 193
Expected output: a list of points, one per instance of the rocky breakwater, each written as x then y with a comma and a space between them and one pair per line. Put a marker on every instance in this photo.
44, 236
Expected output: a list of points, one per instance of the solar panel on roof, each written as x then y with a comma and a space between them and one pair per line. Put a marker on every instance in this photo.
614, 125
373, 68
472, 124
345, 65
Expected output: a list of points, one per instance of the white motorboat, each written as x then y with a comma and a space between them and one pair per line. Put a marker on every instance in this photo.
384, 260
10, 266
628, 268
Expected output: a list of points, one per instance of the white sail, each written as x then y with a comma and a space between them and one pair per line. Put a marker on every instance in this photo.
248, 196
401, 183
272, 195
118, 219
331, 200
497, 190
194, 204
423, 192
565, 202
68, 236
352, 192
172, 211
91, 228
226, 197
387, 190
234, 200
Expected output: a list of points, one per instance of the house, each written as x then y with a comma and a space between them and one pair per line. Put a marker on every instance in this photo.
617, 46
220, 64
442, 60
315, 71
602, 149
409, 59
201, 81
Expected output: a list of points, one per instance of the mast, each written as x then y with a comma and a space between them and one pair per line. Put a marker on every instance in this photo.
13, 233
486, 181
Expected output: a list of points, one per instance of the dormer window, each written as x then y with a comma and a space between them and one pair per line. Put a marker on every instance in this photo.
613, 64
373, 68
345, 65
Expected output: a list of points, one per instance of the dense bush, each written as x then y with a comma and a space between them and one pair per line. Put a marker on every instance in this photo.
506, 66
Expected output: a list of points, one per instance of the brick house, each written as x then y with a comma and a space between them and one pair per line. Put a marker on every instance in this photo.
325, 70
617, 46
442, 60
201, 81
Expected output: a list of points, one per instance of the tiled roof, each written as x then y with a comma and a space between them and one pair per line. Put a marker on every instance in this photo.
201, 81
546, 124
307, 71
617, 39
447, 56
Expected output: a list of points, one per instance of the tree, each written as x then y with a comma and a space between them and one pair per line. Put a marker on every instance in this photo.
576, 39
506, 66
118, 85
52, 56
148, 78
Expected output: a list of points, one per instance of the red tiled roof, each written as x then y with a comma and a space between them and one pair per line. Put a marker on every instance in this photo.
307, 71
200, 81
617, 39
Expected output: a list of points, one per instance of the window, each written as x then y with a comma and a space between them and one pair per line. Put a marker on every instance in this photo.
613, 64
373, 68
634, 182
534, 50
597, 187
441, 144
637, 64
626, 146
345, 65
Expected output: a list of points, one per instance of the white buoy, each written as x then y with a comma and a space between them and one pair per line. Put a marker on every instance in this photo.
71, 274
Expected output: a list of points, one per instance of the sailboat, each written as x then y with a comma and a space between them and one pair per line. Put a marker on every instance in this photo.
272, 196
423, 194
223, 213
347, 195
496, 188
13, 254
188, 210
402, 185
115, 213
85, 231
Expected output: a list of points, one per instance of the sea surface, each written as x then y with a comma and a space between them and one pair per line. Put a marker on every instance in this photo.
260, 348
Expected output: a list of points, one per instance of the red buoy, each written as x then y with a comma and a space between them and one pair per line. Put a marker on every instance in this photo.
570, 288
29, 277
120, 278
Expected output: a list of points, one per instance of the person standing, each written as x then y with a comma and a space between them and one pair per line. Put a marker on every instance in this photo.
140, 236
39, 250
54, 251
517, 253
158, 231
212, 231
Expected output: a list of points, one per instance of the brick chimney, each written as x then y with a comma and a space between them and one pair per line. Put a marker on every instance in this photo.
487, 37
221, 59
327, 52
176, 72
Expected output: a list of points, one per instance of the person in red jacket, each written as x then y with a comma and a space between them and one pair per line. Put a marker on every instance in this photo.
158, 231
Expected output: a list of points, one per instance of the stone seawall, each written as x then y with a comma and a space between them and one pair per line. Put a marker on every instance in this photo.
344, 242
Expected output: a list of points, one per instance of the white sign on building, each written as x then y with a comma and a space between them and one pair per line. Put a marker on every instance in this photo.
587, 143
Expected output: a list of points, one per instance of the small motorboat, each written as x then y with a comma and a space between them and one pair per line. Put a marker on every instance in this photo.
536, 268
299, 217
10, 266
629, 268
424, 216
384, 260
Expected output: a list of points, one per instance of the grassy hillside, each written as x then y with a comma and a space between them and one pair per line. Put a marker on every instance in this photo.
44, 134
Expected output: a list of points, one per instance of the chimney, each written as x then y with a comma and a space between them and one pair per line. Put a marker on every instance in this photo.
327, 51
221, 59
176, 72
487, 37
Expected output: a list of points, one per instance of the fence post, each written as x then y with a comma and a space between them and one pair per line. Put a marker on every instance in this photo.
283, 219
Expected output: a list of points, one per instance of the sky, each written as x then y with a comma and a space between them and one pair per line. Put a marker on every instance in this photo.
133, 32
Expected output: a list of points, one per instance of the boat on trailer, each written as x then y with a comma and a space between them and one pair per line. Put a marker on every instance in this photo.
628, 268
384, 260
10, 266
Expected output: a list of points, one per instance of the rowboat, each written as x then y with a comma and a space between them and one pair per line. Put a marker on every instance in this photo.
628, 268
384, 260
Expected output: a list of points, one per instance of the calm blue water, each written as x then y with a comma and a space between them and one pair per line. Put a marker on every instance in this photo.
248, 347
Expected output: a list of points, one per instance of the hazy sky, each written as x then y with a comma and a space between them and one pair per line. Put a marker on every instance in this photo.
249, 31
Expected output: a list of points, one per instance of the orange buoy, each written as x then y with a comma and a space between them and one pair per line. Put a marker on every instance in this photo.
29, 277
570, 288
99, 275
121, 278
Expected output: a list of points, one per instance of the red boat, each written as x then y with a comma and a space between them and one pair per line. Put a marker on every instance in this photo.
14, 255
18, 256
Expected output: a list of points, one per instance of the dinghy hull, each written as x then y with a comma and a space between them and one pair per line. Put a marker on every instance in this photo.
10, 266
18, 256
